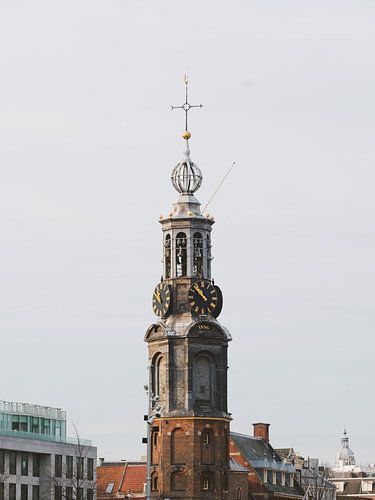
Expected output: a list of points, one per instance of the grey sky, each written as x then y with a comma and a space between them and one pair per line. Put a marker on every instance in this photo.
87, 144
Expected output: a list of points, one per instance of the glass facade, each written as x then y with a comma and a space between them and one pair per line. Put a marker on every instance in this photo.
32, 421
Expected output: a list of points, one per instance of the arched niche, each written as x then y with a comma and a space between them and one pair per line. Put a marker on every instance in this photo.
203, 377
178, 446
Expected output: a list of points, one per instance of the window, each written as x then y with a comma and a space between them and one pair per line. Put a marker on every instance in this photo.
80, 467
207, 481
24, 464
79, 493
181, 255
197, 254
269, 476
167, 255
69, 467
35, 425
2, 461
155, 438
1, 491
90, 469
12, 491
109, 487
24, 424
154, 449
238, 494
36, 465
58, 492
90, 494
58, 465
154, 481
12, 463
35, 492
46, 426
69, 493
159, 373
15, 423
24, 492
206, 437
207, 447
209, 258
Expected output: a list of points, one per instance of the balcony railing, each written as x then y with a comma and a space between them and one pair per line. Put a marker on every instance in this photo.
32, 410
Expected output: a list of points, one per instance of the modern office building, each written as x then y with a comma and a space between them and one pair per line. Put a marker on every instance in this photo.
37, 459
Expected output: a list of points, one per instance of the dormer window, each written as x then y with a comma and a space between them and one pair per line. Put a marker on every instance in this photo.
198, 254
181, 255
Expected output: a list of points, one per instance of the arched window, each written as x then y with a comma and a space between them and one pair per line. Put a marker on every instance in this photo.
197, 254
159, 376
238, 494
154, 481
178, 481
178, 447
154, 448
181, 255
207, 481
202, 378
207, 437
167, 255
207, 447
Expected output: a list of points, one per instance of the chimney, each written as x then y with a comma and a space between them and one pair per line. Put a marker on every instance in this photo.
262, 431
101, 461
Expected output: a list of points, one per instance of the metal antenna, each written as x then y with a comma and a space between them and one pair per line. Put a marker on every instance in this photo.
187, 106
219, 186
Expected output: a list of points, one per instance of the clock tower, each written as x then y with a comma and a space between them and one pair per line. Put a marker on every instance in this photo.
187, 352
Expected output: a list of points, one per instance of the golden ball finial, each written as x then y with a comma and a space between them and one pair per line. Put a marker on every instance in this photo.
186, 134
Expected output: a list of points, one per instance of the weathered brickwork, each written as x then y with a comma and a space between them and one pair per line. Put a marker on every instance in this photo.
193, 458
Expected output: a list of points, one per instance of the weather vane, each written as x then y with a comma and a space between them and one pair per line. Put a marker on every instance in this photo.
187, 106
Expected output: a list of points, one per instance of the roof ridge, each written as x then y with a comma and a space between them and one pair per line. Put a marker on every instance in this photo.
246, 435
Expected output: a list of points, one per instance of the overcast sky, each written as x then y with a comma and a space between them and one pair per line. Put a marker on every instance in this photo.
87, 144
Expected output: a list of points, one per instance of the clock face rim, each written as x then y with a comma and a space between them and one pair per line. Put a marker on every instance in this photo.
194, 294
217, 311
165, 291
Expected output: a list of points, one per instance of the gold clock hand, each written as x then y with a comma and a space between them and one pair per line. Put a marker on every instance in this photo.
157, 296
196, 287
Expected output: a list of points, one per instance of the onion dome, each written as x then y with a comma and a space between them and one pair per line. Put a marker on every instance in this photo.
186, 175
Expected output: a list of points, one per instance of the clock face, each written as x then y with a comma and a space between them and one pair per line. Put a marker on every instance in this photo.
219, 307
161, 299
203, 298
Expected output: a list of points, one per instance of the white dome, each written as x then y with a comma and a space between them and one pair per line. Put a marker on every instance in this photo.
345, 456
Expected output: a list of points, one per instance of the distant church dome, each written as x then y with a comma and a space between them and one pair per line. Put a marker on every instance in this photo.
345, 455
186, 175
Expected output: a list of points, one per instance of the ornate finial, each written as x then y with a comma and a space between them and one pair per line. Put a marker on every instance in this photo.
186, 175
186, 107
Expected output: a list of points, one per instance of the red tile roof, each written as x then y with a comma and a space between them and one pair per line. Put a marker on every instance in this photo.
126, 477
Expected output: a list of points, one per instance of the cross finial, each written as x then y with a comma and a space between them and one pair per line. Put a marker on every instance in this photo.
186, 107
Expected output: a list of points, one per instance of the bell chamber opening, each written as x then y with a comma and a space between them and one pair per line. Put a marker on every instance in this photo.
181, 255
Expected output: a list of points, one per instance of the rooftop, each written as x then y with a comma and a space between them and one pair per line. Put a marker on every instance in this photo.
30, 421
